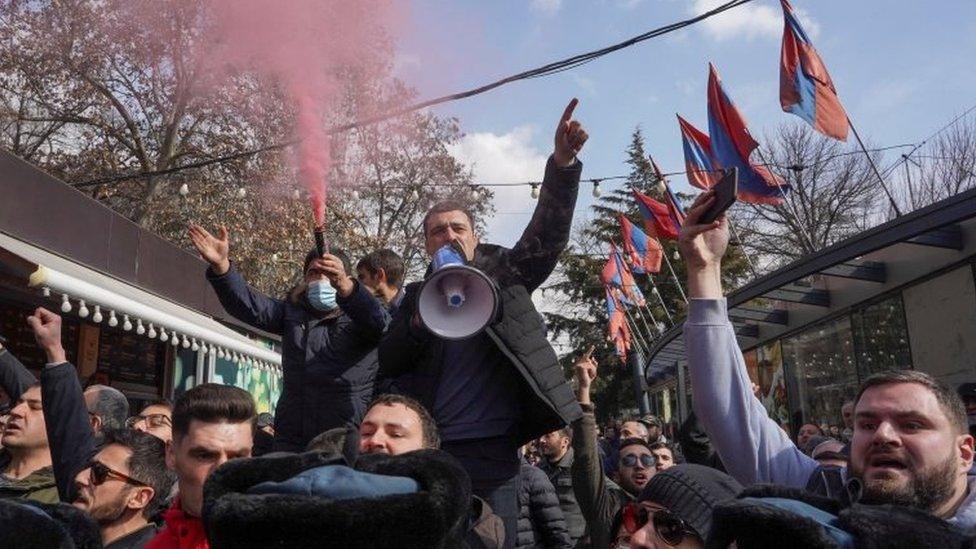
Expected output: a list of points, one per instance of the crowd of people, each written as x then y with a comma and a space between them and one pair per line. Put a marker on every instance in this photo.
387, 435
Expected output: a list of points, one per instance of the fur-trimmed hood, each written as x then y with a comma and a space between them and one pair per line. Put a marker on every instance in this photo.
435, 516
27, 524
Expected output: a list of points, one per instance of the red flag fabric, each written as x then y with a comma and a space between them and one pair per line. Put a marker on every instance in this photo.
660, 220
732, 144
805, 87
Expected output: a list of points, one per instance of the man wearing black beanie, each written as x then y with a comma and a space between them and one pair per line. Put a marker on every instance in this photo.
676, 506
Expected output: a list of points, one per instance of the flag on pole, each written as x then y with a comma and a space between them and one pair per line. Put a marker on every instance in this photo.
616, 274
617, 329
660, 220
805, 87
645, 253
701, 168
732, 144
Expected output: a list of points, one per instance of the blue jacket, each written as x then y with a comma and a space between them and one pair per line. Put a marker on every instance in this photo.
329, 362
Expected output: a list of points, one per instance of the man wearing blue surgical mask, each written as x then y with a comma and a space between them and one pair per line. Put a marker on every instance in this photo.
330, 325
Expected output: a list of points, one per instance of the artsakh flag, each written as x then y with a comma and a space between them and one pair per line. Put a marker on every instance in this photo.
617, 329
660, 220
700, 167
732, 144
645, 253
805, 87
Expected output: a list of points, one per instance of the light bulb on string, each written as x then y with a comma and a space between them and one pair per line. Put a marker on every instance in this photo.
414, 195
185, 342
676, 255
535, 190
184, 189
65, 304
596, 188
355, 194
46, 292
152, 331
140, 329
241, 192
296, 194
195, 346
163, 336
97, 317
174, 341
82, 309
112, 320
126, 323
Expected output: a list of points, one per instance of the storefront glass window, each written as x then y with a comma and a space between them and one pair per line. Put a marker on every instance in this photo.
881, 337
822, 361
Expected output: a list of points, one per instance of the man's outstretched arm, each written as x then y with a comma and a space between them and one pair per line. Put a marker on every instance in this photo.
537, 251
751, 445
69, 432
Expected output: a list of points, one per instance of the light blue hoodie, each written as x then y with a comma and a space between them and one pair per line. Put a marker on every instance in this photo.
756, 450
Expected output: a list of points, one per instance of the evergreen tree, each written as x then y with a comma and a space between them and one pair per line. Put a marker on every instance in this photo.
583, 317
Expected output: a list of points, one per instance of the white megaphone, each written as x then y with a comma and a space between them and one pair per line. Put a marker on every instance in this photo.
456, 301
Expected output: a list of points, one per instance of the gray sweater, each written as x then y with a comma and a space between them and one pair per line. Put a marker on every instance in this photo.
756, 450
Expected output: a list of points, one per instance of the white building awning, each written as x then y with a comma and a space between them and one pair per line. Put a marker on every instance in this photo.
97, 297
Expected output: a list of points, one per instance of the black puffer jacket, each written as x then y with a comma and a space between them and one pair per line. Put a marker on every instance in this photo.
410, 357
541, 523
329, 363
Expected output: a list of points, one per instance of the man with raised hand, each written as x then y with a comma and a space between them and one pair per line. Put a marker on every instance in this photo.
330, 325
911, 444
493, 392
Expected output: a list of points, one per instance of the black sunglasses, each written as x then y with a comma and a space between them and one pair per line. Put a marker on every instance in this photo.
669, 527
101, 472
630, 460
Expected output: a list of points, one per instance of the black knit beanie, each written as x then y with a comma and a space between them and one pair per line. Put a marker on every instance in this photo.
691, 492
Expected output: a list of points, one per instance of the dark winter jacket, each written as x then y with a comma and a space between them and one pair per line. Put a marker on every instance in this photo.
541, 523
436, 515
599, 498
695, 444
329, 363
69, 432
411, 356
560, 475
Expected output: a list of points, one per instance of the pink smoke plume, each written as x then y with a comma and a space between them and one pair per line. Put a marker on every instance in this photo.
303, 46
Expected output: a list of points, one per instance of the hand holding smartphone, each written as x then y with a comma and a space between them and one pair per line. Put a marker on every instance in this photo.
725, 195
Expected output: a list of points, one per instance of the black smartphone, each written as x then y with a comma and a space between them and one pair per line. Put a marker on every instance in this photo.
725, 195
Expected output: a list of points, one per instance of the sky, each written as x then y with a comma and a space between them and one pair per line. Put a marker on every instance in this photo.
902, 68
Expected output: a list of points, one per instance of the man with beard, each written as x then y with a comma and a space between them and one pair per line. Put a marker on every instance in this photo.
600, 499
557, 451
124, 486
911, 444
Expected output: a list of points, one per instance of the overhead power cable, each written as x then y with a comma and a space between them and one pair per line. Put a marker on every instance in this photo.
545, 70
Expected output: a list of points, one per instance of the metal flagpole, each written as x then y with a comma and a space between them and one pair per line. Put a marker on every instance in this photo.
675, 277
789, 205
752, 266
660, 298
874, 167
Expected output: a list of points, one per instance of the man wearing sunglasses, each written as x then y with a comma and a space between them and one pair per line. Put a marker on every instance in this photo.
675, 508
156, 418
124, 486
600, 499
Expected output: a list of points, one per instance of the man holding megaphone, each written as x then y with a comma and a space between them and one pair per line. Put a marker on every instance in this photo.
469, 344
